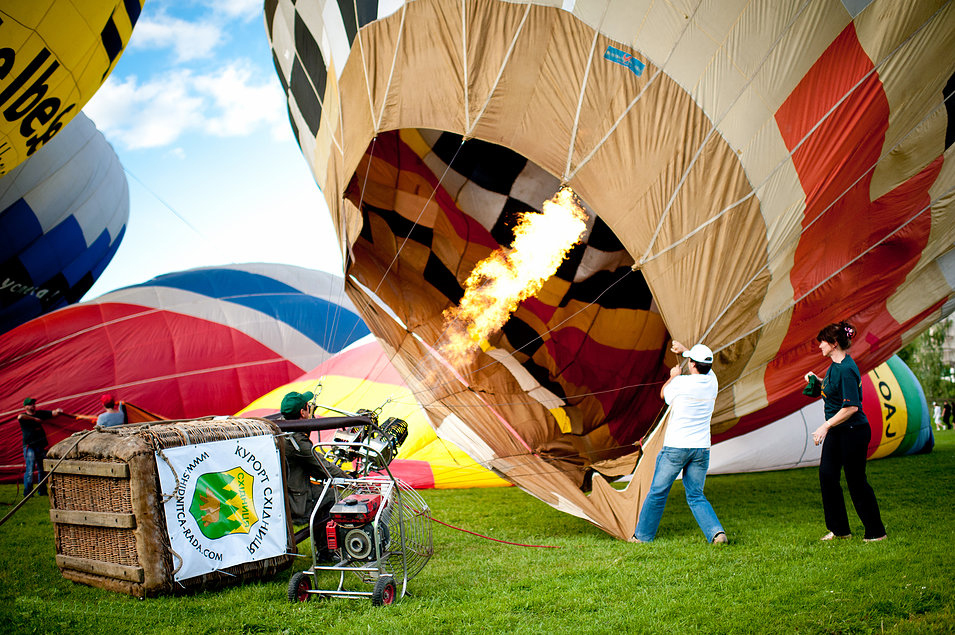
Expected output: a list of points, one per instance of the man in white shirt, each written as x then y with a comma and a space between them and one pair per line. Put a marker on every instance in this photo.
686, 445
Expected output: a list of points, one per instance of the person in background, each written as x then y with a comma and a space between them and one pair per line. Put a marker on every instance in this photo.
947, 415
112, 416
34, 443
845, 438
303, 465
686, 445
937, 415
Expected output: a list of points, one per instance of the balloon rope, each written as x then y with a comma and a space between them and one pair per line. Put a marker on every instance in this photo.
714, 128
762, 269
788, 158
506, 542
571, 173
27, 497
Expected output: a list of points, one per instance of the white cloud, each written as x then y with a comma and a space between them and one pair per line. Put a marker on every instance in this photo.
229, 102
242, 9
189, 40
240, 104
148, 115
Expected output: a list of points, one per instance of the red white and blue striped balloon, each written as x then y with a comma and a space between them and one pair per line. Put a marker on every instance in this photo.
200, 342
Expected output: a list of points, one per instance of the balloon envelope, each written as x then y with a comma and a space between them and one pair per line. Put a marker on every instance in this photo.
184, 345
361, 377
63, 213
55, 55
892, 400
753, 171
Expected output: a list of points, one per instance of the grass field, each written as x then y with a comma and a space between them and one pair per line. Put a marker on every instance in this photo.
775, 576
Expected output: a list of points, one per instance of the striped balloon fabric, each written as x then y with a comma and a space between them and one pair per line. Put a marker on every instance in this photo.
56, 55
892, 400
752, 172
63, 213
362, 378
183, 345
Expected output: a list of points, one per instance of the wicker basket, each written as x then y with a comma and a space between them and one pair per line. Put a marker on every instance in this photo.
107, 510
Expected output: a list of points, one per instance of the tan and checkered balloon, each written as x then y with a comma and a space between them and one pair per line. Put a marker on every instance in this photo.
751, 170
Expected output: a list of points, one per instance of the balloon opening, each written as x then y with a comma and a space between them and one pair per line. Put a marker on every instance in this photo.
580, 361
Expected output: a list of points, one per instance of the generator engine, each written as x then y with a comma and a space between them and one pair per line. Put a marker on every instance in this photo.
351, 527
382, 441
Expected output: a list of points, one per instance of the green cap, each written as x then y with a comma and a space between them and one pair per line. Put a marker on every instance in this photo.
29, 401
293, 402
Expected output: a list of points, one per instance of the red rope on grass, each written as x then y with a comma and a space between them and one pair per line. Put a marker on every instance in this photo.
474, 533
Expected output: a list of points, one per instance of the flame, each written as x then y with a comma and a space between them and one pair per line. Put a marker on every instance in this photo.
500, 282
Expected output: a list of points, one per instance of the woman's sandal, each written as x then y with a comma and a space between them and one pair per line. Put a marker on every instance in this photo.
832, 536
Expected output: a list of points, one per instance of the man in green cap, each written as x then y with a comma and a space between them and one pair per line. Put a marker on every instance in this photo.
303, 464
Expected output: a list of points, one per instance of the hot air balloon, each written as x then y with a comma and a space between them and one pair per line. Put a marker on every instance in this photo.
751, 172
199, 342
53, 58
63, 213
892, 399
362, 378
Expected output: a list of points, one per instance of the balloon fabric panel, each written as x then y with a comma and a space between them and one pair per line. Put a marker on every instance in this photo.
65, 214
768, 169
840, 221
63, 52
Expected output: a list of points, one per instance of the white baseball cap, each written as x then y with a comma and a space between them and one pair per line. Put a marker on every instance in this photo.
700, 353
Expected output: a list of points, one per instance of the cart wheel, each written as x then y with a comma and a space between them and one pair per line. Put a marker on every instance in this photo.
384, 591
298, 587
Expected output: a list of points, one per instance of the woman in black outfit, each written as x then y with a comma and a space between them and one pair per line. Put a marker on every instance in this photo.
845, 439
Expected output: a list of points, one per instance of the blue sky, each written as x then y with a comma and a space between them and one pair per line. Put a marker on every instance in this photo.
196, 114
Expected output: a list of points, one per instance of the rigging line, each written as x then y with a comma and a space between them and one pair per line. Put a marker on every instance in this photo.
6, 362
394, 61
520, 461
885, 155
500, 72
583, 89
714, 128
364, 68
793, 303
510, 354
785, 161
562, 322
639, 96
165, 204
434, 191
520, 403
464, 64
361, 202
506, 542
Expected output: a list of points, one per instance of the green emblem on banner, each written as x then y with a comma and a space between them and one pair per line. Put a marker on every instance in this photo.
222, 503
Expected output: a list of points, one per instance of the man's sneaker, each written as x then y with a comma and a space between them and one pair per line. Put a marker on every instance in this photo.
720, 539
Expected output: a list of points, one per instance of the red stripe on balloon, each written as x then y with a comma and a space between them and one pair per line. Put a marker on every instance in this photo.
850, 258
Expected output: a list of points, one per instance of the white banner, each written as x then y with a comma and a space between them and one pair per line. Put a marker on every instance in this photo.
227, 504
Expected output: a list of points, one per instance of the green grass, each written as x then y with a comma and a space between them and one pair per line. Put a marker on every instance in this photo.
774, 577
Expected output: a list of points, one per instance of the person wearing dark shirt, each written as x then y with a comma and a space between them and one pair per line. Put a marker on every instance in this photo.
845, 439
303, 464
34, 443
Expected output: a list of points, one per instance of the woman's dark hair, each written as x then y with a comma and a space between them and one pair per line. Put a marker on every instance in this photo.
701, 367
840, 334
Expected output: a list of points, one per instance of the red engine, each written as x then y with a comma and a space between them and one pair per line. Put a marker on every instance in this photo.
351, 526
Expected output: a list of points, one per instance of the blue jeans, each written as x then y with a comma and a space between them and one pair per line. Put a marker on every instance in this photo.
693, 462
33, 457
